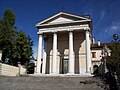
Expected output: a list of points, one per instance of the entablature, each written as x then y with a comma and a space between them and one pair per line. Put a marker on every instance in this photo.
64, 28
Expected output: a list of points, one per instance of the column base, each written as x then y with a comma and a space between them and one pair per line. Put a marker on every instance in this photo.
37, 73
54, 73
70, 74
61, 75
85, 74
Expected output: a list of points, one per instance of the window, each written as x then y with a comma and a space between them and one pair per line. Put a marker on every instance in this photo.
93, 54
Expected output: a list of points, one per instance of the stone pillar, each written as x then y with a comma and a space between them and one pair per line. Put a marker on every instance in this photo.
39, 57
71, 56
88, 51
44, 57
44, 62
54, 56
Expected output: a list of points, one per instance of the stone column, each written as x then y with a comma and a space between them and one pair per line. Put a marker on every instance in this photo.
39, 57
44, 62
88, 51
71, 57
54, 56
44, 57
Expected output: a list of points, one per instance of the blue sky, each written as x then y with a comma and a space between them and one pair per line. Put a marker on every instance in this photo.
105, 15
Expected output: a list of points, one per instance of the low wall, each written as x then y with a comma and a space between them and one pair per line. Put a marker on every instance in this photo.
8, 70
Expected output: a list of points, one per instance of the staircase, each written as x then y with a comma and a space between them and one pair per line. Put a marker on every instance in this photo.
51, 83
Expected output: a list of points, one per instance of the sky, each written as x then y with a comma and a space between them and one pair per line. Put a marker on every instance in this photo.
105, 15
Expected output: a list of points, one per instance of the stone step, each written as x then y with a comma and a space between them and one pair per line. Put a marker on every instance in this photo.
50, 83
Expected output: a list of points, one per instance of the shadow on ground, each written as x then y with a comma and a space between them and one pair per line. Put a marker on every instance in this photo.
111, 81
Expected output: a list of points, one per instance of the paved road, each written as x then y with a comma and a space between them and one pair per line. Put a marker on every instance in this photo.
50, 83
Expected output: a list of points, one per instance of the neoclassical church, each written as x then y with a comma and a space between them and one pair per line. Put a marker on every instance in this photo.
67, 40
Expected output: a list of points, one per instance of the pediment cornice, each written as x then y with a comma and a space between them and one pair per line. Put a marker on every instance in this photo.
62, 18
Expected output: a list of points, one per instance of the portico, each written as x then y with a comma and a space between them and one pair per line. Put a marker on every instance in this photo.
67, 40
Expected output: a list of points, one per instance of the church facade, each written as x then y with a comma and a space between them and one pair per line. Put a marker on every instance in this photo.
67, 40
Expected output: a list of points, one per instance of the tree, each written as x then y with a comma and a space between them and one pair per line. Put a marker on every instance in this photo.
9, 17
113, 60
7, 32
15, 45
22, 49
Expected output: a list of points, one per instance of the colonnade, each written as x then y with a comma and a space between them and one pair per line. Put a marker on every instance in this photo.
54, 54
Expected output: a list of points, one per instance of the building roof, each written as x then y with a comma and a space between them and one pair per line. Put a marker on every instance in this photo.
68, 16
103, 44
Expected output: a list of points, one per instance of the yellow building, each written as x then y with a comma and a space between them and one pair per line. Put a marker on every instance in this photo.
67, 40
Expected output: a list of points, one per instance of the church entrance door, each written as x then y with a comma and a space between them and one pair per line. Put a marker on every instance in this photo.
65, 66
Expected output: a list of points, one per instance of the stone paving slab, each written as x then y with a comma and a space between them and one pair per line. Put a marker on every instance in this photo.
48, 83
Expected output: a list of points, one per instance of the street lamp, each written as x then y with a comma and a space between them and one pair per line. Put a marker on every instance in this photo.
115, 37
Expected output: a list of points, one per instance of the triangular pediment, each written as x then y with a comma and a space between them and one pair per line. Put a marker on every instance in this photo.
62, 17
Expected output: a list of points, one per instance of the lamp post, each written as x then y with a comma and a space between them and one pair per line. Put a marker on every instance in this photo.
115, 37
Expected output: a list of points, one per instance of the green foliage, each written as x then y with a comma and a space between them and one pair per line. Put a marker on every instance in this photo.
15, 45
22, 49
114, 60
9, 17
7, 33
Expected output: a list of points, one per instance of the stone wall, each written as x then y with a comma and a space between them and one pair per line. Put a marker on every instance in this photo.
8, 70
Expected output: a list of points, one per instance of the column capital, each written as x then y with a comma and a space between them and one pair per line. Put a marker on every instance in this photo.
70, 30
86, 29
40, 33
54, 31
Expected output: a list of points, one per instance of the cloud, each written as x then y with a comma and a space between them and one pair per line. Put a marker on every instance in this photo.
102, 15
106, 34
114, 28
